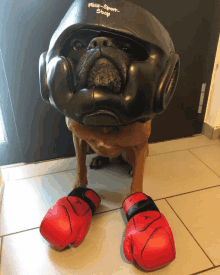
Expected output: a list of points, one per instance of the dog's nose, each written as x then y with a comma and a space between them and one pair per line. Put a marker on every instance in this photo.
100, 42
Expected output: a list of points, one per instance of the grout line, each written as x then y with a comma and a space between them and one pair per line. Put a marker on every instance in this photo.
40, 175
43, 174
204, 163
210, 187
19, 232
110, 210
180, 150
35, 162
62, 171
205, 270
191, 234
47, 160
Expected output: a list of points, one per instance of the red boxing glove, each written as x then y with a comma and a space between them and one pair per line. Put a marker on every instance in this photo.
148, 238
68, 221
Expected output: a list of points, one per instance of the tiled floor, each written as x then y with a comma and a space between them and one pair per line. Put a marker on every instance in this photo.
182, 176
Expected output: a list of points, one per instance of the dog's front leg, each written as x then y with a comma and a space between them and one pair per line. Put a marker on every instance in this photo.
137, 156
81, 170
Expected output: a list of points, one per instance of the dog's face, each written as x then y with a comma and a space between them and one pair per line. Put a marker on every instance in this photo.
102, 60
110, 70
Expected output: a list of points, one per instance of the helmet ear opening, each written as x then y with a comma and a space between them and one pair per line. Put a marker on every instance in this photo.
167, 84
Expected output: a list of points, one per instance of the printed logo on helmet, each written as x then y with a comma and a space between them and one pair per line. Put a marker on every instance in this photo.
99, 8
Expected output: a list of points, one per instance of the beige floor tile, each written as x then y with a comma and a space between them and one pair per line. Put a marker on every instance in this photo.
199, 212
26, 201
176, 173
165, 175
112, 184
41, 168
100, 253
58, 165
210, 155
180, 144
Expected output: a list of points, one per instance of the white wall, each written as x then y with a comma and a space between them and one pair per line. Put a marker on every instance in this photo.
212, 115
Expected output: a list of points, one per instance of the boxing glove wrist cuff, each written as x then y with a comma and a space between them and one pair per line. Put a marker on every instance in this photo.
88, 195
137, 203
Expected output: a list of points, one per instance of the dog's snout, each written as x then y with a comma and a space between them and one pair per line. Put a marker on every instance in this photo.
99, 42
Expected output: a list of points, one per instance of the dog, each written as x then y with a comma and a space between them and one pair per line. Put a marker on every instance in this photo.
110, 68
124, 144
109, 75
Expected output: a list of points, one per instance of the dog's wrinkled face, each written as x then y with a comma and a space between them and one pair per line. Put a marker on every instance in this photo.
109, 71
101, 60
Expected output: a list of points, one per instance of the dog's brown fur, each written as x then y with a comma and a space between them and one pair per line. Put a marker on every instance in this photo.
131, 141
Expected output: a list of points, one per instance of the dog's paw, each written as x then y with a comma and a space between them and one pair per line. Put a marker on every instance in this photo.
99, 162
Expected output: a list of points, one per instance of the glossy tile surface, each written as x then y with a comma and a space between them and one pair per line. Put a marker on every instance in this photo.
47, 167
181, 175
33, 197
199, 212
176, 173
40, 168
98, 255
210, 156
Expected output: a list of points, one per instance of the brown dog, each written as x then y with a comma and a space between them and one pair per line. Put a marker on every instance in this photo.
109, 106
109, 142
131, 140
109, 74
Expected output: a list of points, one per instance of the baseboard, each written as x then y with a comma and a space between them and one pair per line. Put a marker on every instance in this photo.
210, 132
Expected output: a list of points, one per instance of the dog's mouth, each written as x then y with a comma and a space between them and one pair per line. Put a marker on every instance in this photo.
104, 74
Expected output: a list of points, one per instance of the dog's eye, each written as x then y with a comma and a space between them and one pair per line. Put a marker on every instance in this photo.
126, 49
77, 45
